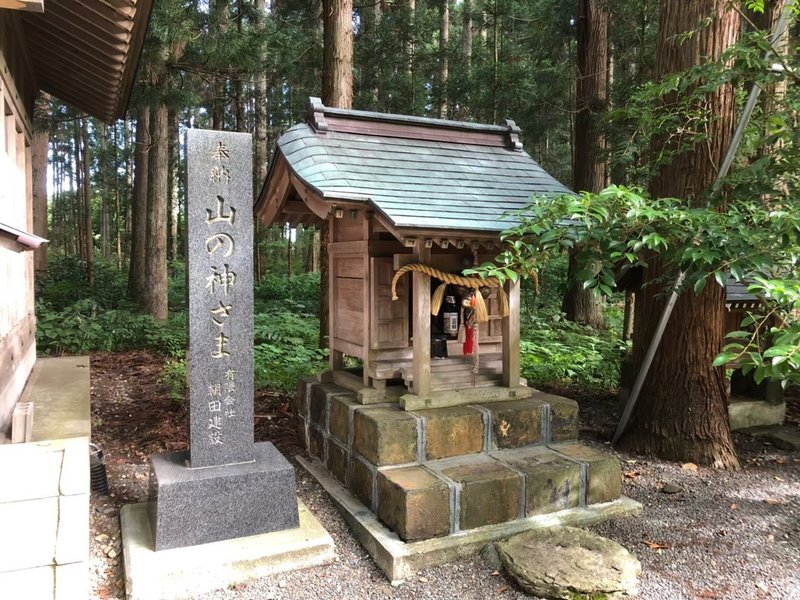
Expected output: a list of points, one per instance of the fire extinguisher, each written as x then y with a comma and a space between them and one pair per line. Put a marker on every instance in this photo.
469, 324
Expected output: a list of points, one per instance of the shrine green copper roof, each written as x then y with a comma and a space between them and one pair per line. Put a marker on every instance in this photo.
419, 173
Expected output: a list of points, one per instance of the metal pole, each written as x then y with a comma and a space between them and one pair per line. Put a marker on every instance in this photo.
747, 112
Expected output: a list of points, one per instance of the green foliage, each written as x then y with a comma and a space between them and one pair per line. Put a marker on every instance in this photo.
84, 327
768, 345
173, 376
299, 294
65, 284
621, 225
554, 350
286, 347
176, 293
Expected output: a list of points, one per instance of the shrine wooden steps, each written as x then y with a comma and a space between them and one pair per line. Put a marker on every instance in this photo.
457, 373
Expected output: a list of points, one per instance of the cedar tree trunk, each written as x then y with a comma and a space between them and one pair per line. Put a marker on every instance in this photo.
87, 201
337, 91
39, 148
136, 272
444, 38
589, 168
682, 411
155, 296
337, 60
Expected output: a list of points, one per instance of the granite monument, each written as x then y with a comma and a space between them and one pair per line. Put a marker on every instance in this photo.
226, 486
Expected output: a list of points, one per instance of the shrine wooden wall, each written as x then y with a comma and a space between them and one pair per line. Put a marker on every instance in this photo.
17, 320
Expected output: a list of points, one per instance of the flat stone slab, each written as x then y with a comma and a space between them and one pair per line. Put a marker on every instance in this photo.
566, 562
743, 414
780, 436
187, 572
400, 560
59, 390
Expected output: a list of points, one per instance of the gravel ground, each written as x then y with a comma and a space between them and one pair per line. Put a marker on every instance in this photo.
723, 535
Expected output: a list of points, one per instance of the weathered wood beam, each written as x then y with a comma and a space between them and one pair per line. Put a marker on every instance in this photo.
87, 21
511, 335
318, 206
36, 6
278, 193
336, 351
422, 322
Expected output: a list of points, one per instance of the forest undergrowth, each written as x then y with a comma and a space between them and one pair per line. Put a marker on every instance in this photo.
76, 319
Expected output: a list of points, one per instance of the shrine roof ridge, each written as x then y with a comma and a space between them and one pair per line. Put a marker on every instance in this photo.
325, 118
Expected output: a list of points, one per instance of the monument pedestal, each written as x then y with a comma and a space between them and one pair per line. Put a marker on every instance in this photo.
191, 506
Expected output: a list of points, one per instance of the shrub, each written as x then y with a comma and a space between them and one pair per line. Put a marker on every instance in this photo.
299, 294
286, 348
65, 284
84, 327
554, 350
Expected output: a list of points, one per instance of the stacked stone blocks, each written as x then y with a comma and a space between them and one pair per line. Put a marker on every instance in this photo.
430, 473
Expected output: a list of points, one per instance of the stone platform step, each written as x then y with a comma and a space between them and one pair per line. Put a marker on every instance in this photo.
386, 435
434, 472
400, 560
455, 373
443, 497
491, 361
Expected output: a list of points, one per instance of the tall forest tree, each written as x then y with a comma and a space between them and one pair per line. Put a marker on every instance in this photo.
86, 199
337, 61
39, 148
156, 277
444, 62
682, 411
138, 223
589, 165
337, 91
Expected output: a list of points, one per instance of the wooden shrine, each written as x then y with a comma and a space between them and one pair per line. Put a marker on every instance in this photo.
396, 191
431, 438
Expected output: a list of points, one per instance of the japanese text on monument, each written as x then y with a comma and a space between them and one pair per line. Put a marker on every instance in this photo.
219, 272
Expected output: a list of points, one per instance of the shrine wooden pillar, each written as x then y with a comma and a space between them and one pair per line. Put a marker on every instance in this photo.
511, 336
421, 309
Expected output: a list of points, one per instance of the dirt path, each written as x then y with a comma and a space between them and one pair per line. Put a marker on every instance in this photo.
723, 535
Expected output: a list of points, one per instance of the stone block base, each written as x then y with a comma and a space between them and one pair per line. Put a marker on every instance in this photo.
603, 472
489, 492
414, 503
754, 413
437, 470
198, 506
399, 560
552, 482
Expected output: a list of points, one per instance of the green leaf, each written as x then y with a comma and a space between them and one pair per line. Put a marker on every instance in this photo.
738, 335
699, 285
723, 359
737, 272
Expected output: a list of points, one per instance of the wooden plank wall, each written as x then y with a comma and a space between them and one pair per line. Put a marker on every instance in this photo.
17, 355
349, 284
17, 320
389, 318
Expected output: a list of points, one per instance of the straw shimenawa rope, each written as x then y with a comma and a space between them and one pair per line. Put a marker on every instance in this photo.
475, 283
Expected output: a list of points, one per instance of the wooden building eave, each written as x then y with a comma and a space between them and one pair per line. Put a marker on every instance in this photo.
86, 52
